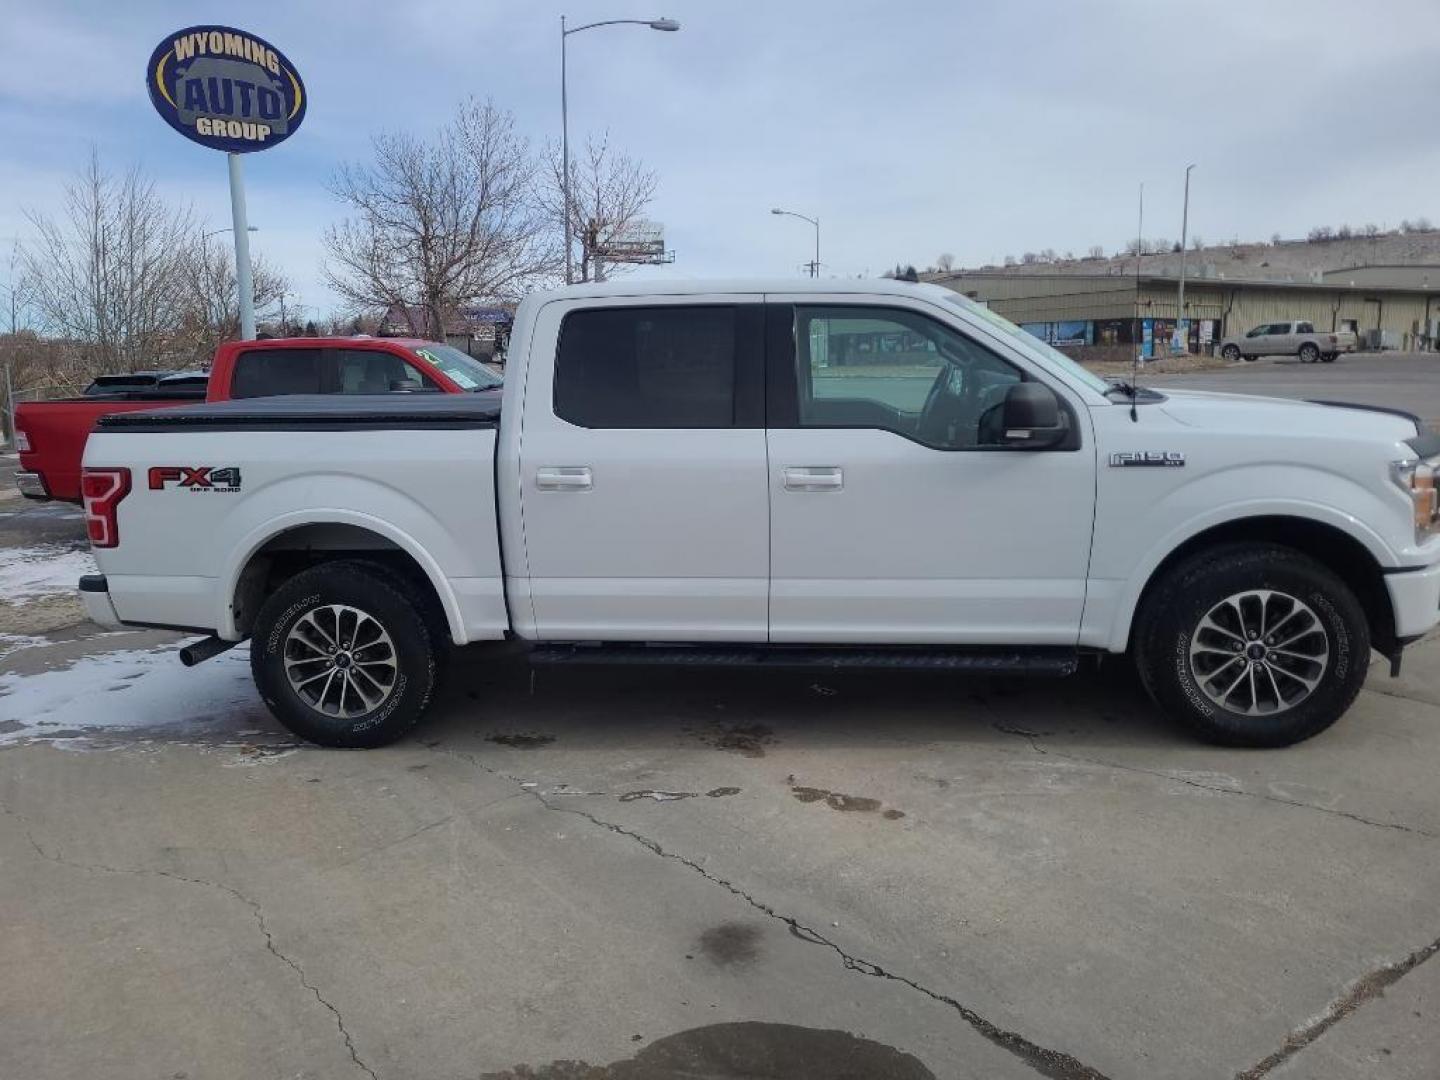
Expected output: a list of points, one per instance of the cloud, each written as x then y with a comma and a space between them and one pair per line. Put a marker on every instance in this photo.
979, 128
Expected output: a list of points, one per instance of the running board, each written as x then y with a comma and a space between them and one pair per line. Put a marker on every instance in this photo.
1032, 661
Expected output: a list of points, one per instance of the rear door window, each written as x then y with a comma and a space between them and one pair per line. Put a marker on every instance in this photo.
271, 372
647, 367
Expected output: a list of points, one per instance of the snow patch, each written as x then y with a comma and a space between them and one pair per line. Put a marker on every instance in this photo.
129, 690
27, 573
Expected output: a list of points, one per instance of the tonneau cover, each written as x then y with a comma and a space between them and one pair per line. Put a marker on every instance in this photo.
319, 412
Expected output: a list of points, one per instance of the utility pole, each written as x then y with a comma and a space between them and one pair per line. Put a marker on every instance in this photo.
1139, 250
1182, 324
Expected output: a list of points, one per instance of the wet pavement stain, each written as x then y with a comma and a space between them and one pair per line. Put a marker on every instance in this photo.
722, 792
731, 943
845, 803
521, 740
749, 741
749, 1050
658, 796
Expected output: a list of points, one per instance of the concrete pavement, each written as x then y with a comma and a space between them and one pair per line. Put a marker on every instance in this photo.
649, 874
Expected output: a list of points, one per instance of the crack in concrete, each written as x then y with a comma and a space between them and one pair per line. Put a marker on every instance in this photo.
1032, 738
1369, 986
255, 909
1053, 1064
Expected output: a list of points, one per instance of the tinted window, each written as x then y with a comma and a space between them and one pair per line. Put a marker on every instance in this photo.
656, 367
267, 372
898, 371
1304, 328
369, 371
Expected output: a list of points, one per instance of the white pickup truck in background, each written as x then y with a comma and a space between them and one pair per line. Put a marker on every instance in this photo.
867, 473
1294, 337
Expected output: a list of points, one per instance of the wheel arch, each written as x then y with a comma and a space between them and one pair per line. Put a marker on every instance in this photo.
1339, 551
274, 552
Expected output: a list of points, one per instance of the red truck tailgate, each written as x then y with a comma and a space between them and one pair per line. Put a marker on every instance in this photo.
57, 430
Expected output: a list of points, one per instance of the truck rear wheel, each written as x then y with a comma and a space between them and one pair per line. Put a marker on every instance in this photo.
1309, 354
343, 656
1253, 645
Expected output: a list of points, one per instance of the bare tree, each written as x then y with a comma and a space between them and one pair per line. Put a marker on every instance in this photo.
210, 309
1095, 252
441, 222
945, 263
609, 191
108, 273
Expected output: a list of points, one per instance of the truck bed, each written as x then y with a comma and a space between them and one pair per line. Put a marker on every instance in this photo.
57, 430
218, 485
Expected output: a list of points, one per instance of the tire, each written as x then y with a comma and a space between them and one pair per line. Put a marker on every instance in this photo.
1249, 358
1328, 358
1230, 353
1182, 657
1309, 354
386, 683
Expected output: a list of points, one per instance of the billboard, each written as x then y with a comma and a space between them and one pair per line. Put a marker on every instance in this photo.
226, 89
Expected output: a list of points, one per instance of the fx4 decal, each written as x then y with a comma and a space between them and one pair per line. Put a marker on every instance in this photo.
1147, 459
195, 478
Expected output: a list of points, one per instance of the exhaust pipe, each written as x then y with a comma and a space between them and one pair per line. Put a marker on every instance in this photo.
202, 650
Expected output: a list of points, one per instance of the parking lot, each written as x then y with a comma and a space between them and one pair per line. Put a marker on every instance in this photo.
652, 873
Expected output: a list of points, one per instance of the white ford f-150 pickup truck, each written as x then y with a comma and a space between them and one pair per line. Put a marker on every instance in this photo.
870, 473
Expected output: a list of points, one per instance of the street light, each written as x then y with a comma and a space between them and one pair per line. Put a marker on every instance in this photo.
1184, 227
217, 232
667, 25
814, 266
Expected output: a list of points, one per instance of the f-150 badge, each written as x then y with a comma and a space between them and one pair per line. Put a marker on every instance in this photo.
1147, 459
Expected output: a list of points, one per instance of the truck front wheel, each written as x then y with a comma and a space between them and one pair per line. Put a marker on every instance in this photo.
1253, 645
343, 657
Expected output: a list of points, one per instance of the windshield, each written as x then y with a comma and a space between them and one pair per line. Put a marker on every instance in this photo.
463, 370
1089, 378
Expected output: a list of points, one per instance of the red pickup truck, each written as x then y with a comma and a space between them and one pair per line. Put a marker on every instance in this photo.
50, 435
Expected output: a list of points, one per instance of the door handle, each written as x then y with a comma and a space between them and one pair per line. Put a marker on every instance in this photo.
563, 478
814, 478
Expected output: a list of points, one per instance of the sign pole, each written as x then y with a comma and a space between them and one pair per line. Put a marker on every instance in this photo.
243, 283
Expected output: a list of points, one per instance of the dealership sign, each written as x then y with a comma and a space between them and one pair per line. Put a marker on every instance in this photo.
226, 89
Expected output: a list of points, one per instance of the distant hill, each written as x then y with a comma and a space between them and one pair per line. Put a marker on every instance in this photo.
1287, 260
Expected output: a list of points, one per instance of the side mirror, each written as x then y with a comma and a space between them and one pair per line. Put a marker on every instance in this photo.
1031, 416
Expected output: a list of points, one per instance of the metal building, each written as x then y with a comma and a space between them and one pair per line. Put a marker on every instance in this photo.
1110, 309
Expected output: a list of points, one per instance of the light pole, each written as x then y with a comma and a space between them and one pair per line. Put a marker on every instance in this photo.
1184, 228
669, 25
814, 266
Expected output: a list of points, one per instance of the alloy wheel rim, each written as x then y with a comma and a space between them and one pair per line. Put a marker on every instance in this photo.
340, 661
1260, 652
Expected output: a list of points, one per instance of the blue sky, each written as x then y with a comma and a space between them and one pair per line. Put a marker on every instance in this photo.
979, 128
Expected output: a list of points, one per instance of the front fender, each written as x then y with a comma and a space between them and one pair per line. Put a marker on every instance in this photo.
1158, 527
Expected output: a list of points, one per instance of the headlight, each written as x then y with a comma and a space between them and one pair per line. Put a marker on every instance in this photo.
1417, 479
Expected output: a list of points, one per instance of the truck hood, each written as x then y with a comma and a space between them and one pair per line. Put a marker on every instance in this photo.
1249, 413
